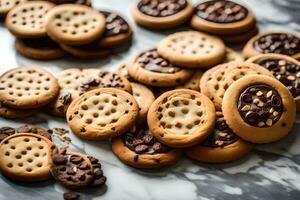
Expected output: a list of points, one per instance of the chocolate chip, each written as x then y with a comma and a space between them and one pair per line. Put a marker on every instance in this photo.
71, 196
5, 132
141, 148
76, 159
148, 139
115, 24
60, 159
247, 98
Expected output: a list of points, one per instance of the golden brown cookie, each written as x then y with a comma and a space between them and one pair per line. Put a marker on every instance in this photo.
181, 118
26, 157
139, 148
92, 50
161, 14
39, 48
280, 42
232, 55
194, 82
239, 38
216, 80
7, 5
151, 69
284, 68
222, 145
192, 49
144, 98
12, 113
72, 24
259, 109
122, 71
27, 20
102, 113
27, 87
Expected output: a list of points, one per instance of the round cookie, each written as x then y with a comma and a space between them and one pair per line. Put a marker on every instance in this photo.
216, 80
72, 170
6, 132
91, 50
144, 98
285, 69
221, 146
98, 178
259, 109
232, 55
27, 20
13, 113
151, 69
139, 148
7, 5
102, 113
194, 82
240, 37
280, 42
39, 48
27, 87
122, 71
181, 118
72, 24
26, 157
161, 14
192, 49
80, 2
222, 17
117, 30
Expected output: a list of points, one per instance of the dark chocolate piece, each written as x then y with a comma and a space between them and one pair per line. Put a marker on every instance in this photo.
115, 24
71, 196
98, 178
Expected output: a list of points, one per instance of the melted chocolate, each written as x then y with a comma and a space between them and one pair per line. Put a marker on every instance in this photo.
161, 8
285, 71
41, 43
260, 105
281, 43
142, 141
115, 24
221, 11
152, 61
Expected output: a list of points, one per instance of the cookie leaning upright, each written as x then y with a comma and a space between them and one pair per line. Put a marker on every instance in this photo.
27, 87
102, 113
181, 117
74, 24
27, 20
192, 49
259, 109
161, 14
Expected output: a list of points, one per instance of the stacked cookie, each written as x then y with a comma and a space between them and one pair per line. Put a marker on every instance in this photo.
46, 31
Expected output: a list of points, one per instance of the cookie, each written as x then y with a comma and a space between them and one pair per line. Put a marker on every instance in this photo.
139, 148
117, 30
181, 118
284, 68
161, 14
194, 82
27, 88
151, 69
221, 146
216, 80
71, 196
259, 109
232, 55
222, 17
98, 178
144, 98
39, 48
280, 42
7, 5
72, 24
26, 157
102, 113
192, 49
13, 113
122, 71
72, 170
240, 37
27, 20
91, 50
6, 132
80, 2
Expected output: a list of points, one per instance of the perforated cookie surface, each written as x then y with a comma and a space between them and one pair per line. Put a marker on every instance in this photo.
7, 5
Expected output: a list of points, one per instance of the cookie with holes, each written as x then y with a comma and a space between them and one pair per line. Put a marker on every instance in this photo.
117, 30
284, 68
221, 146
161, 14
259, 109
7, 5
13, 113
102, 113
27, 20
144, 98
39, 48
140, 149
151, 69
72, 170
194, 82
279, 42
192, 49
222, 17
72, 24
232, 55
216, 80
27, 88
181, 118
26, 157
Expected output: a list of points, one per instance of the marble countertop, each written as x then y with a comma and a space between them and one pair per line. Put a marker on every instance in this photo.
269, 172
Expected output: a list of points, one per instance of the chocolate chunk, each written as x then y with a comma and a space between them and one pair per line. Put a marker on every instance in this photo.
59, 159
5, 132
148, 139
115, 24
34, 129
76, 159
71, 196
98, 178
141, 148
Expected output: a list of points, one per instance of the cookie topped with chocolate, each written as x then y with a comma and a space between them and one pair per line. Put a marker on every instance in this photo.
98, 178
115, 24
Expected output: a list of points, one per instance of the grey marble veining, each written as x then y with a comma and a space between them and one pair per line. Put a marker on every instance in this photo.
269, 172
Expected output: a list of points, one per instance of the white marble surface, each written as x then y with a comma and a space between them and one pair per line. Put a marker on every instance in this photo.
269, 172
